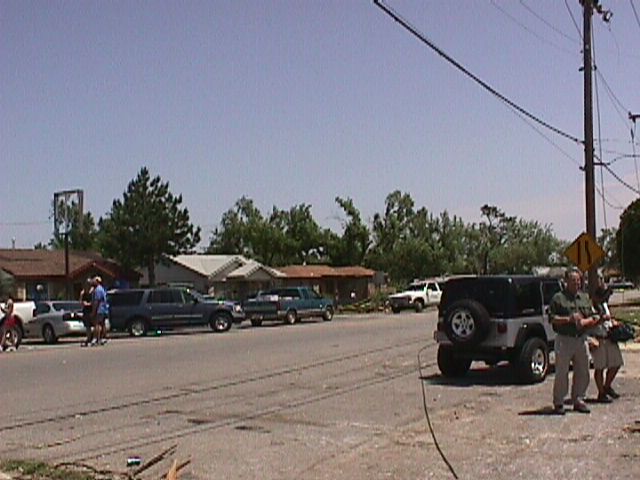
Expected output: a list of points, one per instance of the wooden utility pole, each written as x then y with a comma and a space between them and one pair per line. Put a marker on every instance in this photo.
590, 188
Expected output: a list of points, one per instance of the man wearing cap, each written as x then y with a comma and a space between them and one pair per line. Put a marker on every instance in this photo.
571, 314
100, 311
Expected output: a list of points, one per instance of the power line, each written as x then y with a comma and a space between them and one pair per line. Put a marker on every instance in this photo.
573, 19
528, 30
604, 208
404, 23
635, 12
547, 23
615, 175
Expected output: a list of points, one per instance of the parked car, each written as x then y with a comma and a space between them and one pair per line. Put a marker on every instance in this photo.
139, 311
288, 304
621, 285
496, 318
56, 319
416, 296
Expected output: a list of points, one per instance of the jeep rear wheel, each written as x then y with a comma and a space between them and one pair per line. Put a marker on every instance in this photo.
533, 361
466, 322
450, 364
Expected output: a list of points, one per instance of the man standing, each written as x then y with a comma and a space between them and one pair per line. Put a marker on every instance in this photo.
571, 314
100, 310
606, 354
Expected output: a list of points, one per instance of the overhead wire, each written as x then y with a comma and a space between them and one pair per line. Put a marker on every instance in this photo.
415, 32
599, 122
528, 30
635, 12
546, 22
566, 3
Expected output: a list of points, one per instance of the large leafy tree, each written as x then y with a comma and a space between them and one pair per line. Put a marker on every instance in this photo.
350, 248
83, 234
628, 240
147, 224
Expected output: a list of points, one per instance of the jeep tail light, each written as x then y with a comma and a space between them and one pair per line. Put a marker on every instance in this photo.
502, 328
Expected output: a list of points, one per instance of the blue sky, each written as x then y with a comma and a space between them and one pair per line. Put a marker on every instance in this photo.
291, 102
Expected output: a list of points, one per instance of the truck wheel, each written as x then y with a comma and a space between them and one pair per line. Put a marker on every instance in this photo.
138, 327
395, 309
48, 334
418, 305
450, 364
292, 317
220, 322
327, 316
532, 365
256, 322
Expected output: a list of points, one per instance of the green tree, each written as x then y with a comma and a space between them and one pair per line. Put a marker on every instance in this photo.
146, 225
83, 234
607, 240
350, 248
628, 241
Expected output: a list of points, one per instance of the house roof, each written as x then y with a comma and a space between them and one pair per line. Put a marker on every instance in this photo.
251, 267
40, 263
208, 265
319, 271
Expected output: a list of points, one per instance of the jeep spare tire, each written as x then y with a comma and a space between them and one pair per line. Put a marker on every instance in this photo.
466, 322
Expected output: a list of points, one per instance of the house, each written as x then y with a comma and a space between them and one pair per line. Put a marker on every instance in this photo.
237, 277
344, 284
38, 274
225, 276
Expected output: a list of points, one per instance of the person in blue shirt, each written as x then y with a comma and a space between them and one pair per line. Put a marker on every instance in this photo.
100, 311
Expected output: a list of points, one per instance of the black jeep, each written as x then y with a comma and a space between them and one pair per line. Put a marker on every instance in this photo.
496, 318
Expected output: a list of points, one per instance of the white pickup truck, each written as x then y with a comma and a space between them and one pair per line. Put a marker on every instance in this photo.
24, 312
417, 295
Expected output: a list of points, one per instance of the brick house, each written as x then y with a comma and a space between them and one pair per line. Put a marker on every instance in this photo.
27, 269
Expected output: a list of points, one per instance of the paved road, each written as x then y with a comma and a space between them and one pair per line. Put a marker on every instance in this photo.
313, 401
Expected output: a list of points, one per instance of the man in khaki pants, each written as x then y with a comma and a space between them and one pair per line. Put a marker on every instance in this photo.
571, 314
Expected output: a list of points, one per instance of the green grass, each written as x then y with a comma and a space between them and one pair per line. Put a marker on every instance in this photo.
33, 470
629, 314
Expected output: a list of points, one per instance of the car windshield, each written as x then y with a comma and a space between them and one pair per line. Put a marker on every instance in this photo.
414, 286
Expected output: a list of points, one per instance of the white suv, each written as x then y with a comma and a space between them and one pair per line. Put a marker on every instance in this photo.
416, 295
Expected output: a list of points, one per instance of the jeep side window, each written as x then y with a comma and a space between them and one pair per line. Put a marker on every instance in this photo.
528, 299
432, 287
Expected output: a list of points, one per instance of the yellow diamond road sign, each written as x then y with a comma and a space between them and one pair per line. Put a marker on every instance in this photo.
584, 252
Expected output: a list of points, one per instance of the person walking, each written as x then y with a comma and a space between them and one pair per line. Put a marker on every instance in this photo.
6, 324
606, 354
571, 314
100, 310
86, 299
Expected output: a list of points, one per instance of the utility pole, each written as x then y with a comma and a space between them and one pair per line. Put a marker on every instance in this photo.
590, 187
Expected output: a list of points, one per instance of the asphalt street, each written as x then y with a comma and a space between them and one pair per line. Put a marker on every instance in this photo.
319, 400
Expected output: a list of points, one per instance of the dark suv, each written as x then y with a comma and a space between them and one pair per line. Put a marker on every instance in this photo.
139, 311
496, 318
